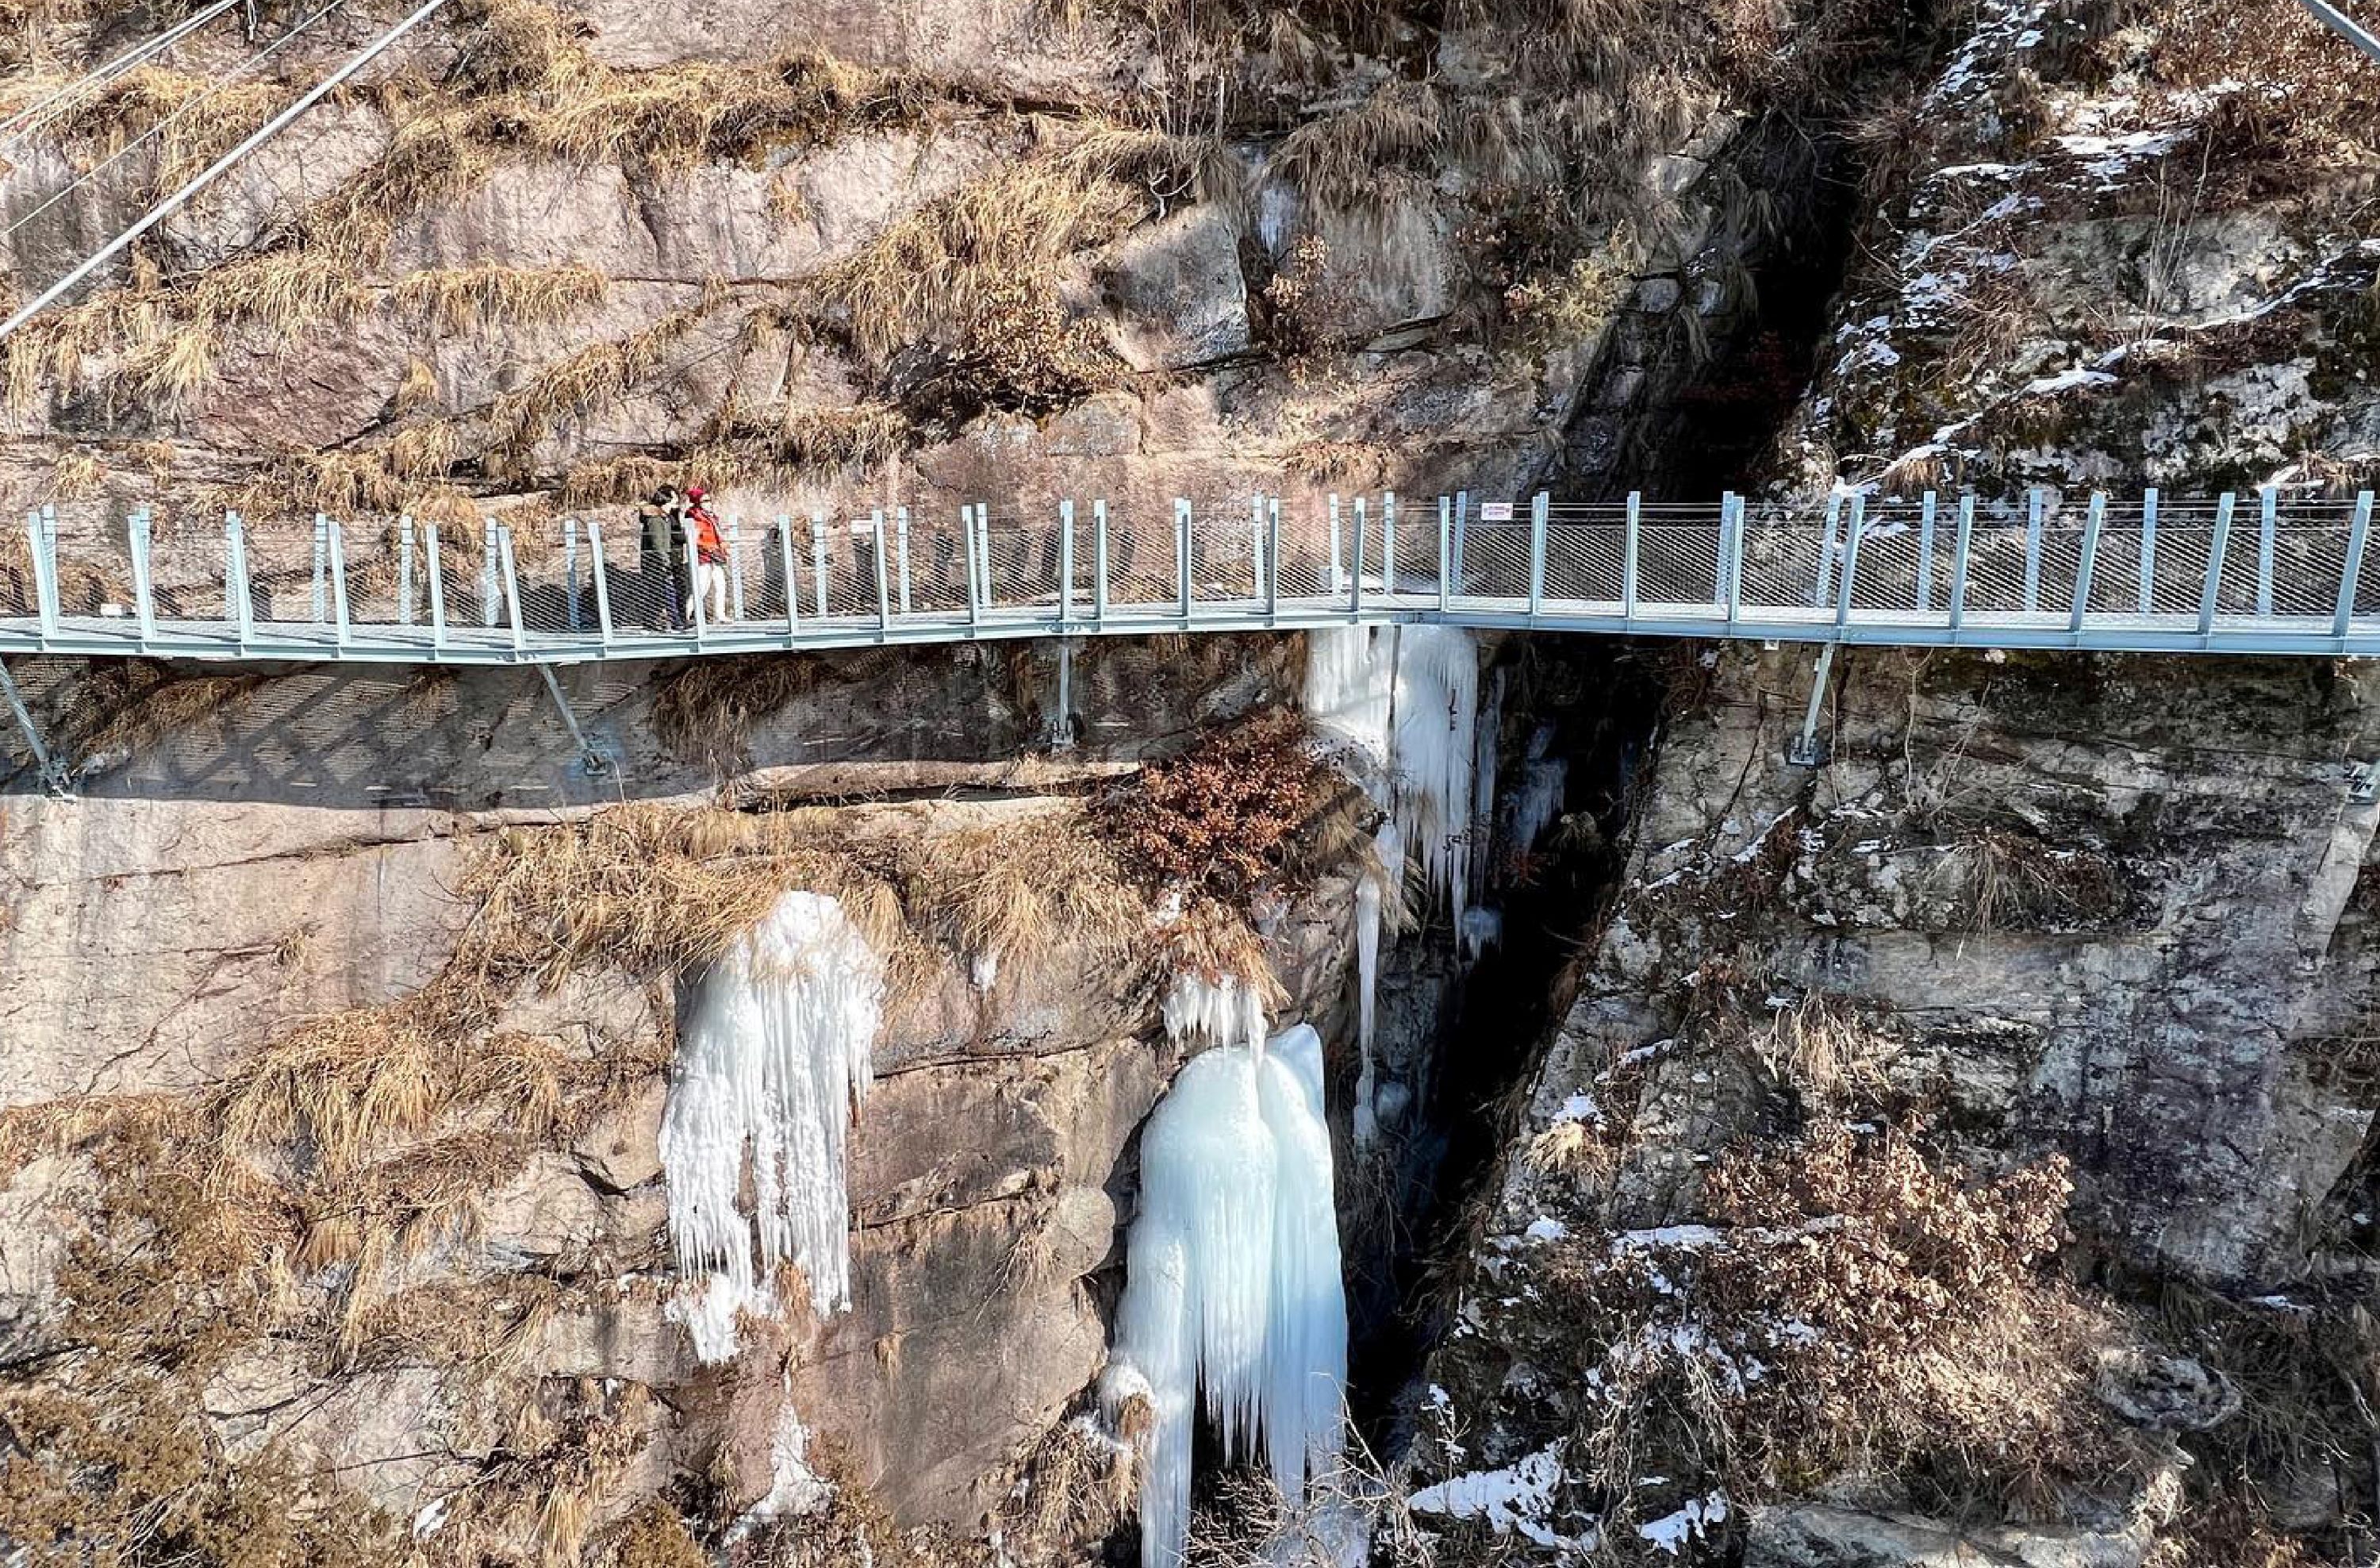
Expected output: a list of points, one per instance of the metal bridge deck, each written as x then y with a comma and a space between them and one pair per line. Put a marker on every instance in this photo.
2257, 576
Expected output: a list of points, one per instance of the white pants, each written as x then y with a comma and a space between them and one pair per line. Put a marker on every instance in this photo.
709, 583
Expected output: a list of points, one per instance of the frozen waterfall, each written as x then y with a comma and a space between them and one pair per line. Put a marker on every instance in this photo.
1233, 1284
772, 1060
1379, 895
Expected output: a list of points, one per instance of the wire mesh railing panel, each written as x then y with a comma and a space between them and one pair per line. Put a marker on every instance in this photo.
1891, 562
185, 571
2308, 558
1997, 570
1140, 558
1585, 561
1308, 568
1779, 566
1021, 562
94, 573
1224, 552
1495, 561
939, 557
1677, 564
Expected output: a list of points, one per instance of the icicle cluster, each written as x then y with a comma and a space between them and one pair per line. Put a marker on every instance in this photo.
1233, 1284
1350, 688
1225, 1012
773, 1058
1437, 713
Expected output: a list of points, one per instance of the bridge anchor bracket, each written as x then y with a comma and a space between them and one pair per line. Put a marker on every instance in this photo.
54, 777
2363, 782
1806, 750
594, 761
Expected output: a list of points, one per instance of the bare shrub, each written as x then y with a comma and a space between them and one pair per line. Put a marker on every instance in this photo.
1223, 817
1850, 1307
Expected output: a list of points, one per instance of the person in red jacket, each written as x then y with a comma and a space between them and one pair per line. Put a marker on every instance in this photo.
709, 586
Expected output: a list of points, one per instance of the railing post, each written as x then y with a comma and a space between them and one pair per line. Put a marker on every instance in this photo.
570, 572
1851, 562
2148, 549
1730, 564
1256, 545
490, 570
2033, 551
1388, 541
1337, 580
1065, 561
48, 552
602, 582
2350, 576
1445, 552
1719, 578
1182, 551
1540, 514
983, 550
144, 596
338, 541
511, 589
785, 568
901, 553
1461, 539
735, 567
2268, 525
45, 573
1272, 557
2084, 567
817, 562
1825, 589
405, 570
2210, 593
322, 561
1356, 578
1098, 561
697, 615
884, 575
1959, 564
974, 568
1628, 547
1925, 555
437, 585
242, 603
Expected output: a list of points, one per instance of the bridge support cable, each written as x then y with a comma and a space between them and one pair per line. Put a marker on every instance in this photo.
214, 171
54, 777
181, 112
25, 122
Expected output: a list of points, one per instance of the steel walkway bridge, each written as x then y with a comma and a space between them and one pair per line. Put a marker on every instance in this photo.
2255, 574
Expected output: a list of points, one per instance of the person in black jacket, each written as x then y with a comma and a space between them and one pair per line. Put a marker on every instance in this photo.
660, 564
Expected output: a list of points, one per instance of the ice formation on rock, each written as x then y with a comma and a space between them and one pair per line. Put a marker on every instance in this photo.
1350, 685
1378, 893
1437, 718
1228, 1010
1233, 1284
1483, 778
772, 1060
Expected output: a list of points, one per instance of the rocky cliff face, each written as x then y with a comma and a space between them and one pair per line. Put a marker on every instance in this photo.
546, 254
332, 1160
2097, 924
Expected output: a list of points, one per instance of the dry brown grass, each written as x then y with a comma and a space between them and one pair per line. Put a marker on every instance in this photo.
1351, 159
467, 298
936, 273
1229, 815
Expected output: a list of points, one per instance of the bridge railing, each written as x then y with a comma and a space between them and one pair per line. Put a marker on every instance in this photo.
2260, 572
